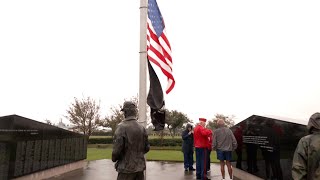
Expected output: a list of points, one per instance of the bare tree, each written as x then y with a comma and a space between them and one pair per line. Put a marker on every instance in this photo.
114, 119
116, 116
84, 114
47, 121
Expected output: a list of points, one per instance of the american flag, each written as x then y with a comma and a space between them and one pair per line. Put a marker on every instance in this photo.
158, 46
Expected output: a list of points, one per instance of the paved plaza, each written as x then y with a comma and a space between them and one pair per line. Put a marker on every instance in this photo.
104, 170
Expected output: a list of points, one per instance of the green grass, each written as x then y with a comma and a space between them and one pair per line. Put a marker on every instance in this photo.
98, 153
176, 148
164, 155
152, 155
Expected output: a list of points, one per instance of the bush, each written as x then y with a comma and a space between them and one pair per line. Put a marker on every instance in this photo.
153, 142
101, 133
107, 140
165, 142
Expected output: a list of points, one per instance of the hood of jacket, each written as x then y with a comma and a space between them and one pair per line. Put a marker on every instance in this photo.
188, 125
314, 122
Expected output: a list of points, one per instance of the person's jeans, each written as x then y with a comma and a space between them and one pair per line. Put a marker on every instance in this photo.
201, 161
188, 160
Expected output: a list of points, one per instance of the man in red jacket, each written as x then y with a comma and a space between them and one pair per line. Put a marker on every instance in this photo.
201, 141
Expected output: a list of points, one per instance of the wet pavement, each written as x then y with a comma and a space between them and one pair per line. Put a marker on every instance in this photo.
104, 170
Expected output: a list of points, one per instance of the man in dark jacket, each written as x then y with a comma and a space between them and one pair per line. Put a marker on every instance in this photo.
306, 159
187, 148
130, 145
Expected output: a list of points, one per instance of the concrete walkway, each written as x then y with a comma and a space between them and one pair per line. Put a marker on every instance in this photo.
104, 170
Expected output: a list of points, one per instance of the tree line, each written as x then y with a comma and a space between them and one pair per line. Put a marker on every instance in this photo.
85, 116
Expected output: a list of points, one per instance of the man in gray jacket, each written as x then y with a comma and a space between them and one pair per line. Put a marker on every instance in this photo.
224, 143
129, 146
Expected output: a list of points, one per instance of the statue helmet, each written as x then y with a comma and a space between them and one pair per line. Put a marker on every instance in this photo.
128, 105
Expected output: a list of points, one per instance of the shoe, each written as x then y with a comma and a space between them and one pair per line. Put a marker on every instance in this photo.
186, 169
192, 169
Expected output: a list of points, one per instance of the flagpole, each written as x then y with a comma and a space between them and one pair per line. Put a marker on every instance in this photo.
143, 64
143, 67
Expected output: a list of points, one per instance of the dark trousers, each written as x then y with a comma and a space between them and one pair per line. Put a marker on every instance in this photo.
188, 160
201, 161
252, 158
267, 159
239, 158
208, 160
272, 159
131, 176
275, 165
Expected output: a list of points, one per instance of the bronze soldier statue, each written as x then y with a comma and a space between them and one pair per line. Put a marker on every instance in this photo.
130, 145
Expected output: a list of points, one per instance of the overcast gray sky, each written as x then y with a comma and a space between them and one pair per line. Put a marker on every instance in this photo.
232, 57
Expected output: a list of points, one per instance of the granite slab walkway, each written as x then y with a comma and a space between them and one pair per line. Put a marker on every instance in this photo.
104, 170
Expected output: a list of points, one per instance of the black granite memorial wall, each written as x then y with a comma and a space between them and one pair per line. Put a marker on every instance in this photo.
4, 160
28, 146
266, 145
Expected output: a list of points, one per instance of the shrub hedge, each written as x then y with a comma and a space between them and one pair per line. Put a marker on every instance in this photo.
153, 142
107, 140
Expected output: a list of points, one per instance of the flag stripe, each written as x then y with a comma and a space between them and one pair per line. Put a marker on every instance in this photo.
165, 46
152, 49
158, 46
161, 41
166, 40
160, 63
171, 81
171, 84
